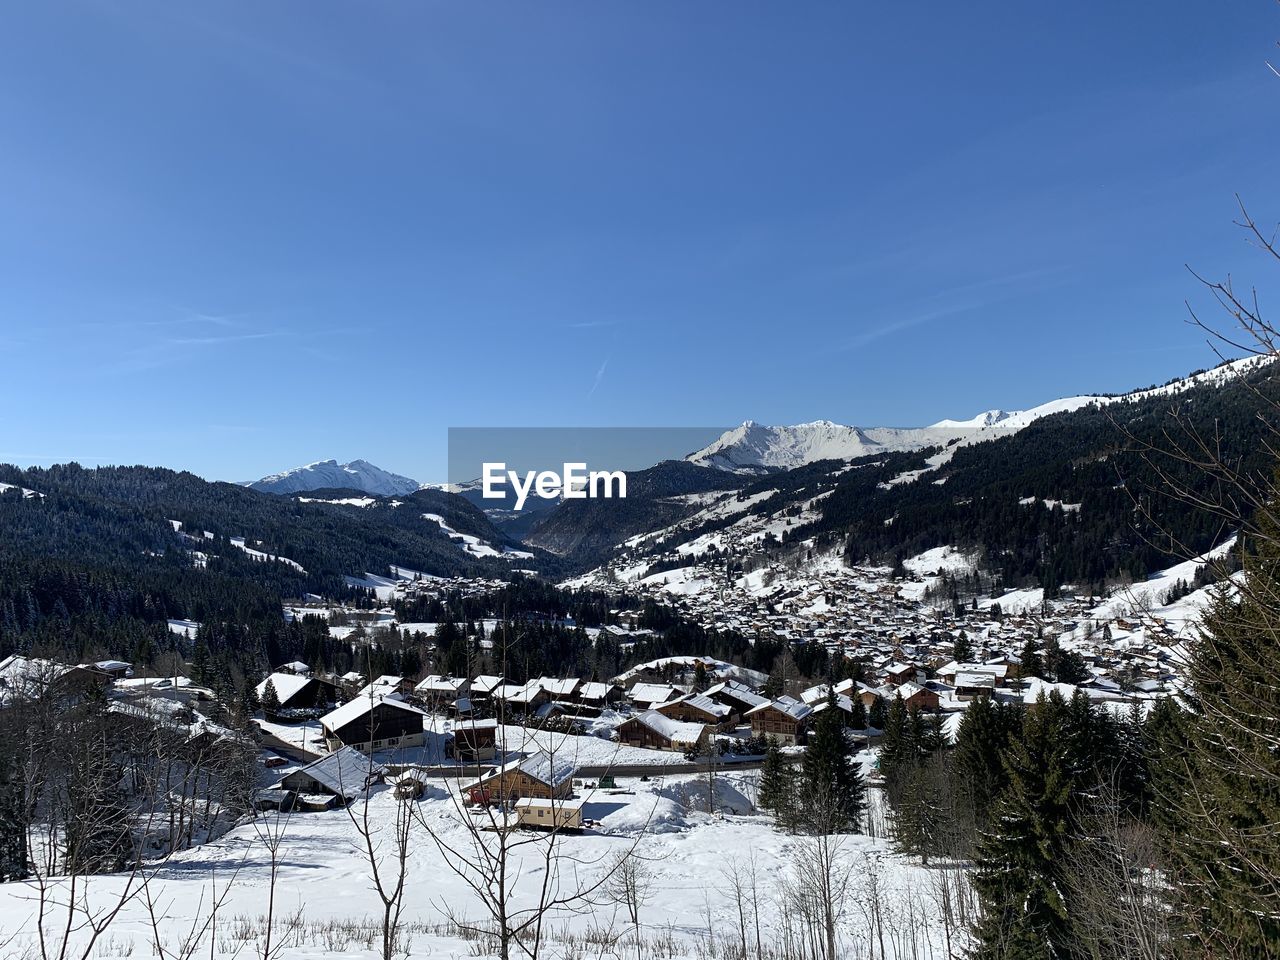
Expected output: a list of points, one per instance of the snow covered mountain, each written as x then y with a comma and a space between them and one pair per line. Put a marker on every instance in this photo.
754, 448
329, 474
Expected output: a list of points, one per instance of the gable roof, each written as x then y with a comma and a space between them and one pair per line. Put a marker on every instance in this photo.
699, 702
788, 705
676, 731
344, 771
287, 686
653, 692
541, 766
485, 683
356, 708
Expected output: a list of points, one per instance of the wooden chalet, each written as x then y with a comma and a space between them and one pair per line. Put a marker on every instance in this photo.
784, 719
369, 724
655, 731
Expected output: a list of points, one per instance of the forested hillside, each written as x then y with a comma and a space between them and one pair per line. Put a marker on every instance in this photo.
100, 559
1069, 499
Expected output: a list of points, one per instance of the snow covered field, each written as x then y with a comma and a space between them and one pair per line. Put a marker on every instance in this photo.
325, 905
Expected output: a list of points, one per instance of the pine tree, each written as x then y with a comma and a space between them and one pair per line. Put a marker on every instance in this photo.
977, 765
921, 819
1031, 663
858, 719
833, 794
13, 837
270, 699
878, 715
962, 651
1222, 805
777, 785
895, 743
1022, 860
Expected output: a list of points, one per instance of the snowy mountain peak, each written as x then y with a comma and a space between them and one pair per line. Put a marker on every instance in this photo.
326, 474
987, 418
756, 448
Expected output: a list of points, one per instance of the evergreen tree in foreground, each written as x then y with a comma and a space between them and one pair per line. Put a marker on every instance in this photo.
777, 786
1219, 799
1022, 860
833, 792
270, 699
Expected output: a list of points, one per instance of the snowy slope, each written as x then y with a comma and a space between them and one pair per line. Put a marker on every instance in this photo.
329, 474
757, 448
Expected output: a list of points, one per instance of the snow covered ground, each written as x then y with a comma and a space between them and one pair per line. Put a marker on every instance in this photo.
474, 545
325, 904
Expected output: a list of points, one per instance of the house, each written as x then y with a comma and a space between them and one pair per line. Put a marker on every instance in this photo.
371, 723
475, 739
296, 667
971, 685
30, 678
115, 669
296, 692
386, 685
916, 697
438, 690
597, 696
738, 697
842, 703
539, 775
900, 673
560, 690
647, 695
657, 732
784, 719
997, 671
522, 698
482, 687
344, 774
541, 814
696, 708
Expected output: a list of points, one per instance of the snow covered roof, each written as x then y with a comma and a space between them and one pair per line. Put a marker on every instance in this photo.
558, 688
995, 669
677, 731
653, 692
287, 686
842, 702
591, 690
909, 689
792, 707
383, 686
485, 683
717, 668
542, 766
344, 771
737, 691
440, 684
700, 702
356, 708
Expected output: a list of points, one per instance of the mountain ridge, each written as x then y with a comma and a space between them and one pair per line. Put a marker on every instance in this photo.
358, 475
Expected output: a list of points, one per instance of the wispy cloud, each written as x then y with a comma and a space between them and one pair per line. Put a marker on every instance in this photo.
958, 300
592, 324
599, 377
229, 338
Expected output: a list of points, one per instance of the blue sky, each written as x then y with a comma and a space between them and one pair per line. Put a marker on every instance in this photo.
236, 237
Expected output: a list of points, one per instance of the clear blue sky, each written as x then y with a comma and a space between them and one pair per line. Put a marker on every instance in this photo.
239, 236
